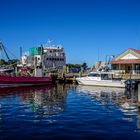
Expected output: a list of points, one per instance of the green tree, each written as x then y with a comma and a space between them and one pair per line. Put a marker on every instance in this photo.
2, 62
78, 66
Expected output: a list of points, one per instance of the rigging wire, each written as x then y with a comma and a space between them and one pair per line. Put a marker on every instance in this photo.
6, 51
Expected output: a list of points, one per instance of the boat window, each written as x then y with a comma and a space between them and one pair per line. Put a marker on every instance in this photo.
94, 75
106, 76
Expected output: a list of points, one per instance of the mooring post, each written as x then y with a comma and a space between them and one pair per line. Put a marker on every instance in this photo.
138, 122
139, 97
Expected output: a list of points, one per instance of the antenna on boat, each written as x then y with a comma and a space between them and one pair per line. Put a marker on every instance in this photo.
98, 54
0, 52
137, 41
20, 54
49, 42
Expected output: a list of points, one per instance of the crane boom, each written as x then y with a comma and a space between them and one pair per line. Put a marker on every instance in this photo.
3, 48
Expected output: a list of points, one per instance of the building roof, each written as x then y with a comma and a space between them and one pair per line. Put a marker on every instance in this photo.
122, 58
136, 51
125, 61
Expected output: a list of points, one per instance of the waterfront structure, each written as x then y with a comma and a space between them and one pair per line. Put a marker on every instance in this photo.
127, 62
99, 65
46, 56
35, 57
54, 57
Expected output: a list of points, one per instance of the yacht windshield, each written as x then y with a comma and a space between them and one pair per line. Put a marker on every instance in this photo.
94, 75
106, 76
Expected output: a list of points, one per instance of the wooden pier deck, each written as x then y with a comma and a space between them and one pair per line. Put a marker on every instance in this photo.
71, 77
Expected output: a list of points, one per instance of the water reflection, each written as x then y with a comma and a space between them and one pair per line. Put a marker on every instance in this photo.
125, 100
116, 95
41, 100
68, 111
103, 94
138, 121
49, 102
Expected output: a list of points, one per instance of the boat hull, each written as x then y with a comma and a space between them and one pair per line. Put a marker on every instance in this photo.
104, 83
24, 81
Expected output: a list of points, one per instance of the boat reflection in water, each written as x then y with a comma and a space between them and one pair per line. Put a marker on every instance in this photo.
42, 100
125, 99
67, 112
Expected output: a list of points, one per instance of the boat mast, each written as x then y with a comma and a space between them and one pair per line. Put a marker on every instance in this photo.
0, 53
20, 55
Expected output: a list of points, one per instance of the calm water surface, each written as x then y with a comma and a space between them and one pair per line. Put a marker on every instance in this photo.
68, 111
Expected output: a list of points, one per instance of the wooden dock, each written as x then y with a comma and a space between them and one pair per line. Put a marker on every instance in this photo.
71, 77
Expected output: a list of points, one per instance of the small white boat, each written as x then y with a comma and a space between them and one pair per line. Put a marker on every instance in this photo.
100, 79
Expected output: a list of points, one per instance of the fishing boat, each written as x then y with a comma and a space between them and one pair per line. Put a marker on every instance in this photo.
24, 81
10, 77
100, 78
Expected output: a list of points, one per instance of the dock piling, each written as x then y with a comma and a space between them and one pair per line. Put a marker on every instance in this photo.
139, 97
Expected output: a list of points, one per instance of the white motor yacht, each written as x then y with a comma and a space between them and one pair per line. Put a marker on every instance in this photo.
100, 79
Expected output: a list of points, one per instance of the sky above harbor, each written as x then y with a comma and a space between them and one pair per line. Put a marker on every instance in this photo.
89, 30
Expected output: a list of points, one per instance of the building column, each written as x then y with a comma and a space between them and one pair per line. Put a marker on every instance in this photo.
119, 67
133, 69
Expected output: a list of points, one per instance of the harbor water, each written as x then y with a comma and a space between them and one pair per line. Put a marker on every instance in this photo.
68, 112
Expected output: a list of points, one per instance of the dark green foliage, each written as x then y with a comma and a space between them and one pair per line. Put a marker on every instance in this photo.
74, 66
9, 62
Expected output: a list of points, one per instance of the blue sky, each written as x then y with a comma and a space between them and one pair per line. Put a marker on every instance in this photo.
88, 29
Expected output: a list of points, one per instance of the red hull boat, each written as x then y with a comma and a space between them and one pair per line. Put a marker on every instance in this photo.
23, 77
24, 80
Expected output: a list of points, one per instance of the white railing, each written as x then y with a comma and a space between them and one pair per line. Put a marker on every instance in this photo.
132, 72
